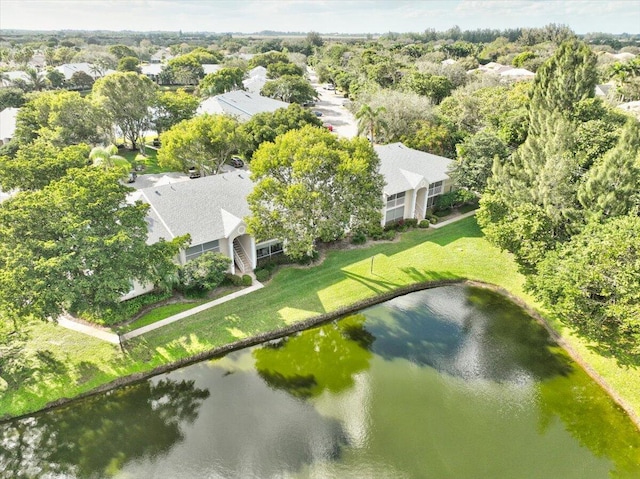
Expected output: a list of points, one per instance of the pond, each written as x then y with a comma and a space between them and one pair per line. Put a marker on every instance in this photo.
452, 382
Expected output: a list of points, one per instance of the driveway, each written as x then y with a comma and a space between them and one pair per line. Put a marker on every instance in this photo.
330, 104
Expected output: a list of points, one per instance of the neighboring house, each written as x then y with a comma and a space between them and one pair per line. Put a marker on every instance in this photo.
240, 104
212, 209
68, 69
517, 74
161, 56
257, 78
7, 124
632, 107
11, 76
413, 181
152, 70
211, 68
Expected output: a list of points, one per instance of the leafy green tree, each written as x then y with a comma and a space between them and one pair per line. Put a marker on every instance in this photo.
55, 78
475, 158
205, 142
11, 98
311, 185
63, 117
38, 163
291, 89
222, 81
183, 70
173, 107
436, 137
82, 80
268, 125
122, 51
435, 87
371, 121
36, 80
613, 184
265, 59
279, 69
205, 272
129, 64
125, 98
74, 245
592, 283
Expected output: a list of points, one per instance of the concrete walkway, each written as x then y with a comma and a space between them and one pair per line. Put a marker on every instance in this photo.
454, 219
114, 338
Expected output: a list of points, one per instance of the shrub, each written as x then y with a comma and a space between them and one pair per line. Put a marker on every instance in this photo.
233, 279
424, 224
375, 232
262, 274
246, 280
126, 309
205, 272
389, 235
358, 237
411, 223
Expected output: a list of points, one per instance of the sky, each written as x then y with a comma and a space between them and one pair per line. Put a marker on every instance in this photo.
323, 16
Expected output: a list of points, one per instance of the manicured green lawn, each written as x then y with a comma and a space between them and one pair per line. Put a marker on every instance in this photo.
59, 363
158, 314
149, 159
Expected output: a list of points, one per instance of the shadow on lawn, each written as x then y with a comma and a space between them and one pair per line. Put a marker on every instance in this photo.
422, 276
378, 285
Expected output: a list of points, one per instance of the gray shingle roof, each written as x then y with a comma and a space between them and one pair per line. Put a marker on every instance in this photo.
403, 167
207, 208
241, 104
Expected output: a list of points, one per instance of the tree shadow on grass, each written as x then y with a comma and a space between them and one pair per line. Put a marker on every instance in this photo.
377, 284
423, 276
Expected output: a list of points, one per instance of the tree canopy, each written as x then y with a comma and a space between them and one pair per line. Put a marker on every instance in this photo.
125, 98
74, 245
311, 185
290, 88
205, 142
173, 107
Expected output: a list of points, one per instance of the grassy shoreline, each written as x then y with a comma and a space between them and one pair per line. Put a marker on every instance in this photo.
56, 364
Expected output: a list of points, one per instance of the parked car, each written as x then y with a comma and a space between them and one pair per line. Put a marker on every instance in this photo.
309, 103
236, 162
194, 172
132, 177
317, 113
328, 126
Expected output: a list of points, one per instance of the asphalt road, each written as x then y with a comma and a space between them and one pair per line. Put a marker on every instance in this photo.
331, 106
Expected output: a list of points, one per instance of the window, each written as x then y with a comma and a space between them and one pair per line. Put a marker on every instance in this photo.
195, 251
264, 251
394, 215
395, 200
435, 188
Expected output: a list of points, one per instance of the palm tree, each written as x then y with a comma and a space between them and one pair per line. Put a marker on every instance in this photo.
370, 121
106, 157
36, 80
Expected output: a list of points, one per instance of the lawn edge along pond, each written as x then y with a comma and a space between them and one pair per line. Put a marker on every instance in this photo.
60, 366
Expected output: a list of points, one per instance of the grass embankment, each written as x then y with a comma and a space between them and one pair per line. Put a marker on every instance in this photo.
58, 363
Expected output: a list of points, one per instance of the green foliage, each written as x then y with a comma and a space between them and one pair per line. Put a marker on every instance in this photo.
122, 51
593, 284
435, 87
266, 59
222, 81
291, 89
11, 98
262, 274
174, 107
125, 99
424, 223
246, 280
268, 125
76, 244
205, 142
125, 310
129, 64
311, 185
358, 237
435, 137
39, 163
475, 157
205, 272
62, 117
520, 59
279, 69
233, 279
371, 121
612, 186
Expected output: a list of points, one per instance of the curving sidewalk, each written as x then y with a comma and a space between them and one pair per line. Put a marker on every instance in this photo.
107, 335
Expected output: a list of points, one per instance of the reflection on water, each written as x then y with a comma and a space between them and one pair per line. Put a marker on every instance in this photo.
452, 382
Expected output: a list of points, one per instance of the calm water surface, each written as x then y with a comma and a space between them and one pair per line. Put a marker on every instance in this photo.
453, 382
